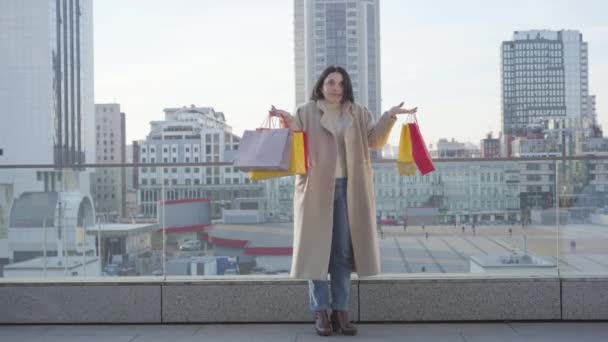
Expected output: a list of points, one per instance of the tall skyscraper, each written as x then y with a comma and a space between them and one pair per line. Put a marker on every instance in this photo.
338, 32
544, 77
46, 89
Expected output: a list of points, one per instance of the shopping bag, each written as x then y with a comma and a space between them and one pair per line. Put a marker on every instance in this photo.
406, 165
298, 164
264, 149
419, 151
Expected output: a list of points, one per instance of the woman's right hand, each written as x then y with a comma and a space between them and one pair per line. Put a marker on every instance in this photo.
278, 113
283, 115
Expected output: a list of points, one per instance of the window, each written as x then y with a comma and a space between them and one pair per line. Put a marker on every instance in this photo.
174, 182
1, 151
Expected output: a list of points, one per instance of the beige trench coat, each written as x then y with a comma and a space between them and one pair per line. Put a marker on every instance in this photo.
314, 192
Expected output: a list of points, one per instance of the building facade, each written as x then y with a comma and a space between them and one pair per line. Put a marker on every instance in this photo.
109, 184
46, 89
191, 135
544, 76
47, 82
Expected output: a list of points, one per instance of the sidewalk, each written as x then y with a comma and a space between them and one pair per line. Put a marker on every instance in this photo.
431, 332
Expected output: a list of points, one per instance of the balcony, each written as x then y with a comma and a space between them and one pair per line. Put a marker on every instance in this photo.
219, 252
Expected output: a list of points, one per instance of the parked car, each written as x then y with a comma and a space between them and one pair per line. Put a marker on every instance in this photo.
190, 245
119, 270
112, 269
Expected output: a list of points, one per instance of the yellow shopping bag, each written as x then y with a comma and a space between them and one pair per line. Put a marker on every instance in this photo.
298, 164
405, 159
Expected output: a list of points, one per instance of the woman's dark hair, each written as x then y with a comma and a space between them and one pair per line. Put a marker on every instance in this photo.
317, 91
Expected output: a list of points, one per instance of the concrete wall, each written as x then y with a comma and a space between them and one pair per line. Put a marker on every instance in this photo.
275, 299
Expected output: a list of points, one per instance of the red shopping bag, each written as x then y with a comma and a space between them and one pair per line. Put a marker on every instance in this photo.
421, 154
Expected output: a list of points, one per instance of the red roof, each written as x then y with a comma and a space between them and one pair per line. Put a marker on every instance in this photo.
185, 229
187, 200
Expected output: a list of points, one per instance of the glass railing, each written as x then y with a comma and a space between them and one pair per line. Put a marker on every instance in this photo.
489, 217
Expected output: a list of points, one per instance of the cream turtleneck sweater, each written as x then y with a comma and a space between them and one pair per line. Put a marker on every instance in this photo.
337, 125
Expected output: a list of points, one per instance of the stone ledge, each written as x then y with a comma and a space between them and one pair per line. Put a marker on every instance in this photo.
585, 299
277, 299
460, 300
57, 303
220, 303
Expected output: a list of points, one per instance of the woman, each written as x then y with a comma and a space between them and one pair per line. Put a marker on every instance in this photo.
334, 205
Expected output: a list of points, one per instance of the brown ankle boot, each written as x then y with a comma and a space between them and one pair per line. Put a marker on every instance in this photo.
322, 325
341, 324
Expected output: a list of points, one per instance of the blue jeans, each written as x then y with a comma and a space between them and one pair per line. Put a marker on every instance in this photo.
340, 260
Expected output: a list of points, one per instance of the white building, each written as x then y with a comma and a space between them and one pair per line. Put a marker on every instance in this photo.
598, 169
46, 91
191, 135
109, 190
544, 76
463, 191
338, 32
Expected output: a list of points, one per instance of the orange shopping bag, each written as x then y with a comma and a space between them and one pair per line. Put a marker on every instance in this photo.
405, 159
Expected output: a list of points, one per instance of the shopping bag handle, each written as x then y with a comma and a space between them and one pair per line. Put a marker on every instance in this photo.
269, 123
411, 115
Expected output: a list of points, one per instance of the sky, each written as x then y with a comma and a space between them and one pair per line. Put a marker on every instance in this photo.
237, 56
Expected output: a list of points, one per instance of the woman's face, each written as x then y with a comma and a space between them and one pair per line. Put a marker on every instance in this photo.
333, 87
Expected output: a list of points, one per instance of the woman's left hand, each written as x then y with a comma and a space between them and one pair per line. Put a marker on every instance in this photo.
400, 110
